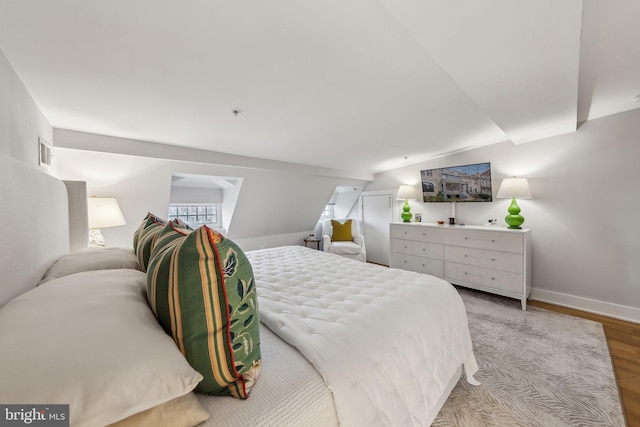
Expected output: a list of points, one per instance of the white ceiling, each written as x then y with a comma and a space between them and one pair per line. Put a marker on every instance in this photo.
355, 84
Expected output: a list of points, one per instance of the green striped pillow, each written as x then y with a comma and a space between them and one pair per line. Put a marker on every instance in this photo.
146, 241
169, 236
181, 224
171, 231
202, 290
147, 221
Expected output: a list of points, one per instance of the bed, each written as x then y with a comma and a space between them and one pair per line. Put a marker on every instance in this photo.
343, 342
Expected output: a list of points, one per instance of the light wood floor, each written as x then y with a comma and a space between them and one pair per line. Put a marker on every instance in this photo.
624, 344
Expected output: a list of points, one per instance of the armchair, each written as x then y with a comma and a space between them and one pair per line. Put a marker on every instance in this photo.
354, 248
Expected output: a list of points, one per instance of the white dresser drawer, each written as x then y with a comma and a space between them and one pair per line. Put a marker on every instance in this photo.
412, 247
505, 261
417, 264
417, 232
496, 279
493, 240
491, 259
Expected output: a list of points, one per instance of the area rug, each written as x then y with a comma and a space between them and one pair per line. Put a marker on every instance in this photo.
537, 368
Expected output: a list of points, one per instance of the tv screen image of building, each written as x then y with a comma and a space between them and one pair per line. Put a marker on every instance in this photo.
466, 183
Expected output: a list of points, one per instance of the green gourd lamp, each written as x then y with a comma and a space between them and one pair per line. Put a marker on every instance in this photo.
512, 188
406, 193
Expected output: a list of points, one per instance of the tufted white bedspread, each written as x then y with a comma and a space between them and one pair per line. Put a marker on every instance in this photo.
386, 341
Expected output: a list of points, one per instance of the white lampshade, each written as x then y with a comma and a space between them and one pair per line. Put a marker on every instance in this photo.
407, 192
104, 212
514, 188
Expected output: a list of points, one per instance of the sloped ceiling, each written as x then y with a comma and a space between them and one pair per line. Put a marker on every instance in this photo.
188, 180
355, 85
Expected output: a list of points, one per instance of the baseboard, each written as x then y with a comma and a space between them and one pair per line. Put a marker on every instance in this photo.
617, 311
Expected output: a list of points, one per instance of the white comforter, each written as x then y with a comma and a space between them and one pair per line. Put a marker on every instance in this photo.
386, 341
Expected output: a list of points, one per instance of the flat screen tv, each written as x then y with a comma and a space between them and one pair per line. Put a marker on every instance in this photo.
466, 183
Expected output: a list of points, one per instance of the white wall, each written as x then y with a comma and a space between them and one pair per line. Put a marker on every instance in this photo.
583, 215
21, 121
194, 194
273, 208
230, 197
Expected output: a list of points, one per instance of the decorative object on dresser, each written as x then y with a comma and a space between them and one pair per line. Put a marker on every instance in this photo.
496, 259
510, 188
406, 193
104, 212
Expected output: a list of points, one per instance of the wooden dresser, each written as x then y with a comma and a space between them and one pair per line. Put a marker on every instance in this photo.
491, 259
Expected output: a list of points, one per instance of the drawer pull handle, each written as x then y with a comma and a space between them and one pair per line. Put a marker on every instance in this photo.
493, 240
465, 273
405, 261
493, 259
465, 255
405, 246
493, 278
465, 238
423, 249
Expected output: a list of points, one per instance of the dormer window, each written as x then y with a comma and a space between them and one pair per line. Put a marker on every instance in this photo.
196, 214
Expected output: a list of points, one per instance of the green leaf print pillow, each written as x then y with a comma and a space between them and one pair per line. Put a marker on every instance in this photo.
202, 290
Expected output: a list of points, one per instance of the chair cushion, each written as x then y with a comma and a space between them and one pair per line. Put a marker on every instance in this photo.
341, 232
345, 248
202, 290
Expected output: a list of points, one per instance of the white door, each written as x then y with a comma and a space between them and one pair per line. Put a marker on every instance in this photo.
377, 213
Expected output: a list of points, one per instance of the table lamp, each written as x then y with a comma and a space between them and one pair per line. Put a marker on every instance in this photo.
510, 188
104, 212
406, 193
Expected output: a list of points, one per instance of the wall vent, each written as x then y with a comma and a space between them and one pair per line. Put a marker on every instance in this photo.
44, 153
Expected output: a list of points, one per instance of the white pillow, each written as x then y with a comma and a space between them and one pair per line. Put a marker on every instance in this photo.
92, 259
91, 341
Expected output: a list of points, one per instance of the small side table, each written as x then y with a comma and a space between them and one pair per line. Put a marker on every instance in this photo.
315, 240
